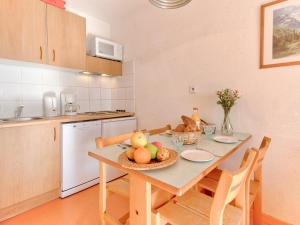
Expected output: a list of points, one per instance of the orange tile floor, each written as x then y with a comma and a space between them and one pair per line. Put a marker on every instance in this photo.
78, 209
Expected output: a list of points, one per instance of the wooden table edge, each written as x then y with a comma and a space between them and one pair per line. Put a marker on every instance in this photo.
211, 167
164, 186
137, 173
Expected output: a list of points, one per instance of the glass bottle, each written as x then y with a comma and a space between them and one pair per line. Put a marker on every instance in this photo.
196, 117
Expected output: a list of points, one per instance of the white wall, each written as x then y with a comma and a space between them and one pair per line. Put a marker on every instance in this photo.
213, 45
94, 26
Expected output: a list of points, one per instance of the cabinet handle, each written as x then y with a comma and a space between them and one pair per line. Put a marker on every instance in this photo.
53, 55
54, 136
41, 53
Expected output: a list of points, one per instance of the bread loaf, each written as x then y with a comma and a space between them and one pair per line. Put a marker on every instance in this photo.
180, 128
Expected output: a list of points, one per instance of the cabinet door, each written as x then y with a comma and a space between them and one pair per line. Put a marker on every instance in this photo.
66, 38
29, 163
23, 30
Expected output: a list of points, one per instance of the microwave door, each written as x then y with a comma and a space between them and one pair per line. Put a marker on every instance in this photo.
105, 50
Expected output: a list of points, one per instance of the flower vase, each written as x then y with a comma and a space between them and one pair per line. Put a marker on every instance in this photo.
227, 128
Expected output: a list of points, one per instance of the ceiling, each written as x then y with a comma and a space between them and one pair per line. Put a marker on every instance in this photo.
107, 10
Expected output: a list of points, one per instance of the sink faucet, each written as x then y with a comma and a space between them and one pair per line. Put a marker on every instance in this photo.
19, 111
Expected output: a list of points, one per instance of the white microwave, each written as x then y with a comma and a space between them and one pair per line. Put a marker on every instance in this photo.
103, 48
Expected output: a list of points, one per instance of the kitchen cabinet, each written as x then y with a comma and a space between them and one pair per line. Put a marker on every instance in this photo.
66, 38
103, 66
36, 32
29, 167
23, 30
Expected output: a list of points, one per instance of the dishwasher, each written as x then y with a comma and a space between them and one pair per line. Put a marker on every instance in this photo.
114, 127
78, 170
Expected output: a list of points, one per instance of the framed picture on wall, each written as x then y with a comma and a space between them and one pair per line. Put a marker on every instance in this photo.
280, 34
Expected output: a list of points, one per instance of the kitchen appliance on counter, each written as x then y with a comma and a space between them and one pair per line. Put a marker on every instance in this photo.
50, 104
103, 48
69, 107
78, 170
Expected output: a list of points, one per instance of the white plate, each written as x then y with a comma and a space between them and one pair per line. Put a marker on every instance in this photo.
197, 155
226, 139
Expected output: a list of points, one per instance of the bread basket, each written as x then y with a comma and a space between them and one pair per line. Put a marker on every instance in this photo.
189, 138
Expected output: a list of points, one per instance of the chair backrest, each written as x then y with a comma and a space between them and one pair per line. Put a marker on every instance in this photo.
230, 187
257, 169
159, 130
102, 142
262, 151
264, 146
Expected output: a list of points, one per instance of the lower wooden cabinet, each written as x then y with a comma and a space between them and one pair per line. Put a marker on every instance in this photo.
29, 167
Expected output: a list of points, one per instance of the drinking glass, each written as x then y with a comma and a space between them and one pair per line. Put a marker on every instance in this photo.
178, 141
147, 135
210, 129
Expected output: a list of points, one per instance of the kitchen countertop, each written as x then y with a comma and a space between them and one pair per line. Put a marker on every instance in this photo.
66, 119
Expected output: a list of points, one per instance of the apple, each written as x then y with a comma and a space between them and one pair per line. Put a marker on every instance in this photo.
138, 140
157, 144
152, 149
142, 156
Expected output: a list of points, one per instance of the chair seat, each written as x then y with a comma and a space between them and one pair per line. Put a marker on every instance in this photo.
208, 184
121, 187
215, 174
178, 215
193, 208
201, 203
210, 181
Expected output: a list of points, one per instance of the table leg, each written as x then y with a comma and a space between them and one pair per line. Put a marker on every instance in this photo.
140, 201
102, 192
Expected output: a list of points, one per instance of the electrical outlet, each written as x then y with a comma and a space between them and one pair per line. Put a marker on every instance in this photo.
192, 90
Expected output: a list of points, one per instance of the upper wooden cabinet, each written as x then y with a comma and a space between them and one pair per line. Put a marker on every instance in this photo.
66, 38
22, 30
32, 31
103, 66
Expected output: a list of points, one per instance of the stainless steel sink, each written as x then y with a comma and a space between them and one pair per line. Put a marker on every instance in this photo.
20, 119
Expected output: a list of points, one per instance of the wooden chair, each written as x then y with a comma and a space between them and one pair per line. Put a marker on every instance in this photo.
102, 142
159, 130
120, 186
210, 183
195, 208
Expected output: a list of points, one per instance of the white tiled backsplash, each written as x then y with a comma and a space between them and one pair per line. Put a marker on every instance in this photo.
26, 85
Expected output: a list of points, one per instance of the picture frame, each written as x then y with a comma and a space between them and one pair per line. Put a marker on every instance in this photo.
280, 34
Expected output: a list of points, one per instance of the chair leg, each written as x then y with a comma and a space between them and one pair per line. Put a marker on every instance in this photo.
257, 207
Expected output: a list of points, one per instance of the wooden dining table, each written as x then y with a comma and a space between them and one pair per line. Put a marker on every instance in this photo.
176, 179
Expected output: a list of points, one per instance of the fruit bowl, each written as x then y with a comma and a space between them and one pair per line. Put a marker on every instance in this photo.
189, 138
154, 164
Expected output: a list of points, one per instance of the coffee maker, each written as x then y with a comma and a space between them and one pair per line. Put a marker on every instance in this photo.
69, 107
50, 104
